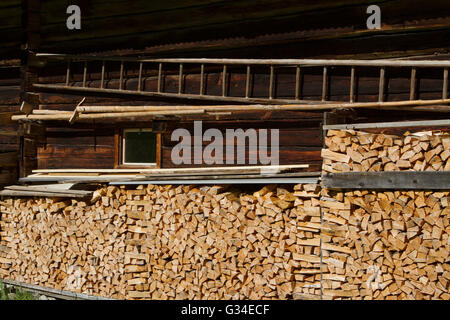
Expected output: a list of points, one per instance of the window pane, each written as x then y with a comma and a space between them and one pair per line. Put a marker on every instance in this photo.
140, 147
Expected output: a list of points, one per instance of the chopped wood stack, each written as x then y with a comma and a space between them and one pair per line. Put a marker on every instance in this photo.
386, 245
215, 242
211, 243
165, 242
349, 150
65, 244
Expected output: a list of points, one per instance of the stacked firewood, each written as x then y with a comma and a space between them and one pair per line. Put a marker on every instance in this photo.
349, 150
393, 245
216, 243
168, 242
65, 244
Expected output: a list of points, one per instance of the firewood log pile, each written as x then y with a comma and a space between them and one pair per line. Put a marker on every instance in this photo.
349, 150
217, 242
168, 242
387, 245
187, 242
65, 244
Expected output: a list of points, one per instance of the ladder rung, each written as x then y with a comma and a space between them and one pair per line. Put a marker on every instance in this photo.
271, 82
412, 90
247, 82
224, 81
140, 77
352, 85
324, 84
445, 84
103, 75
159, 76
68, 73
84, 74
297, 82
180, 80
381, 86
202, 75
121, 76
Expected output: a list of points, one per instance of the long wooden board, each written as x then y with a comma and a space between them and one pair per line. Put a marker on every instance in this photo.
396, 180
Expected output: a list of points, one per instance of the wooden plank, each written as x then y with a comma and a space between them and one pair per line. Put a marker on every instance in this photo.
48, 188
397, 124
231, 169
295, 62
396, 180
23, 193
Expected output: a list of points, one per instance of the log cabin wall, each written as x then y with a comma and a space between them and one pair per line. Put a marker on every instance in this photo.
9, 137
12, 30
92, 146
300, 131
271, 28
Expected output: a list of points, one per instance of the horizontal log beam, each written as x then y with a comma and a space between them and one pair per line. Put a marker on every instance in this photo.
293, 62
396, 180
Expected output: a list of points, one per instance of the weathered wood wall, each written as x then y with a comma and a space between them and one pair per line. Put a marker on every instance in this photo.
297, 28
92, 145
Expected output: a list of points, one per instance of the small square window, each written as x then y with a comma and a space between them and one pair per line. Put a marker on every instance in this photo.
139, 147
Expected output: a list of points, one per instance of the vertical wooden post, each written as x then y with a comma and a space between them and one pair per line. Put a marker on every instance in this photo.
180, 79
324, 84
381, 86
247, 83
84, 74
412, 90
159, 76
352, 85
445, 84
202, 75
140, 76
103, 75
224, 80
121, 76
68, 73
297, 82
271, 82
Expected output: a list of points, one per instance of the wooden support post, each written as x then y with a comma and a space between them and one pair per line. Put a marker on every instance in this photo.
180, 80
324, 84
159, 77
352, 85
84, 74
445, 84
381, 86
140, 77
247, 82
121, 76
202, 76
271, 82
412, 90
68, 73
224, 80
103, 75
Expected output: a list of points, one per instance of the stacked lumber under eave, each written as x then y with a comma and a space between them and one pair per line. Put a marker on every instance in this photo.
210, 243
391, 245
349, 150
65, 244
